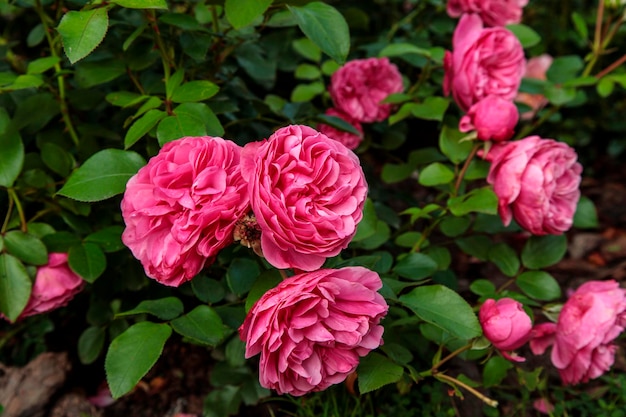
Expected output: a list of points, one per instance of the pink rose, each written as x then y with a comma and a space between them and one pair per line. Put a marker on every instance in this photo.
536, 181
350, 140
506, 325
55, 285
492, 12
483, 62
537, 68
583, 335
543, 406
307, 192
313, 327
181, 208
493, 118
358, 88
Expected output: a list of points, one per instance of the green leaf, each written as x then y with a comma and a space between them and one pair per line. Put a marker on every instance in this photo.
338, 123
392, 173
586, 216
178, 126
439, 305
435, 174
57, 159
307, 72
481, 200
241, 13
483, 288
539, 285
203, 113
208, 290
265, 282
201, 324
194, 91
367, 226
495, 370
505, 259
15, 286
307, 49
87, 260
580, 25
375, 371
477, 246
543, 251
103, 175
415, 266
527, 36
433, 108
306, 92
450, 145
26, 247
326, 27
90, 344
401, 49
132, 354
454, 226
141, 4
241, 274
108, 238
41, 65
142, 126
12, 155
26, 81
564, 68
83, 31
605, 87
167, 308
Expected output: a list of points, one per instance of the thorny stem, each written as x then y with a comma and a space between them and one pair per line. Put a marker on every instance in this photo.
20, 211
425, 234
549, 113
60, 78
406, 19
8, 216
466, 165
453, 381
450, 356
611, 67
216, 20
165, 58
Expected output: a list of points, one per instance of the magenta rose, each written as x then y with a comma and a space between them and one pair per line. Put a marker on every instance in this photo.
506, 325
536, 68
492, 12
493, 118
583, 336
181, 208
483, 62
307, 192
312, 328
536, 181
350, 140
55, 285
358, 88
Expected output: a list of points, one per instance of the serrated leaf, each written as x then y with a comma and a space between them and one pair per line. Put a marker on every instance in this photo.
526, 35
167, 308
15, 286
241, 275
505, 259
109, 238
201, 324
543, 251
241, 13
103, 175
194, 91
415, 266
82, 32
142, 126
586, 216
142, 4
87, 260
42, 65
178, 126
375, 371
12, 154
495, 370
90, 344
132, 354
26, 247
435, 174
539, 285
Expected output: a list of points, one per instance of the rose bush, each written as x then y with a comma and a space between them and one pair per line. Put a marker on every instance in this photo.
492, 12
506, 325
312, 328
307, 192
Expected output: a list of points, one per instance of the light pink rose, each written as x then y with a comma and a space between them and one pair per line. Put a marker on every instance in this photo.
358, 88
506, 325
55, 285
351, 140
493, 118
492, 12
307, 192
483, 62
537, 67
181, 208
312, 328
536, 181
583, 335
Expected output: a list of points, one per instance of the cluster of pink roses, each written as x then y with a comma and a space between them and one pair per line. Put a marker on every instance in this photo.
357, 90
306, 194
536, 180
581, 339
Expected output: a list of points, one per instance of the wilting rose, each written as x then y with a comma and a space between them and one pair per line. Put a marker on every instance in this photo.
492, 12
493, 118
358, 88
351, 140
590, 320
307, 192
55, 285
506, 325
312, 328
483, 62
181, 208
536, 181
536, 68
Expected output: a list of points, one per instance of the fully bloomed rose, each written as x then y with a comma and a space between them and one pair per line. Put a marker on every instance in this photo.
493, 118
483, 62
351, 140
307, 192
506, 325
312, 328
181, 208
536, 181
358, 88
582, 338
55, 285
492, 12
536, 68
